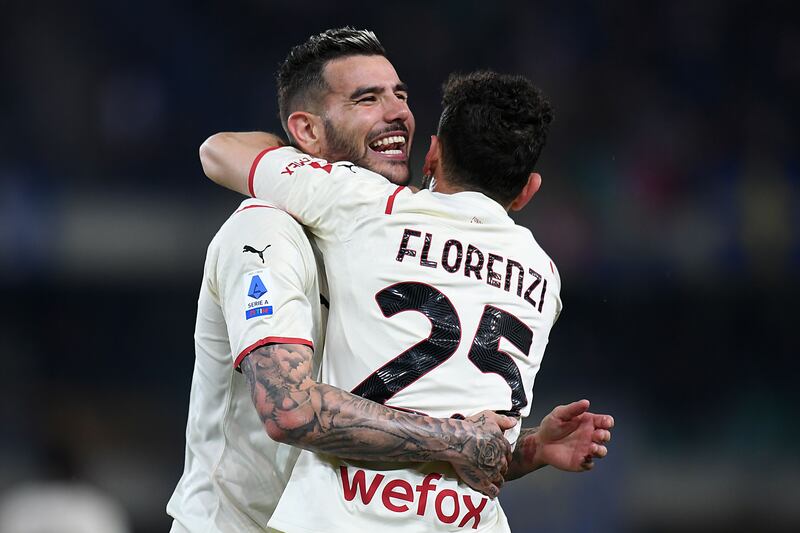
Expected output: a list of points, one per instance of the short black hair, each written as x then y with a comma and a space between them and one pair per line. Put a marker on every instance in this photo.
300, 80
492, 130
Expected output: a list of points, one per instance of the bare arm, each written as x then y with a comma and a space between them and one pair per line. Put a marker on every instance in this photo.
226, 157
569, 438
524, 459
299, 411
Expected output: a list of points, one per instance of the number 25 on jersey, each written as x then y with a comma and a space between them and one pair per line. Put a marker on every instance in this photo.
443, 341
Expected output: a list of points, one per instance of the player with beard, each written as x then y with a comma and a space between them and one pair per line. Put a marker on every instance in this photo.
359, 112
259, 313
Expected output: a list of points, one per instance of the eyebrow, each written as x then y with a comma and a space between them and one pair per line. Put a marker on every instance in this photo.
376, 89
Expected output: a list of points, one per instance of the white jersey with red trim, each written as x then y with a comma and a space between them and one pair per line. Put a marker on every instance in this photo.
260, 286
440, 304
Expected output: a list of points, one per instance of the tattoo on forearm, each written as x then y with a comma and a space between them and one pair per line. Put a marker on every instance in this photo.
523, 455
326, 419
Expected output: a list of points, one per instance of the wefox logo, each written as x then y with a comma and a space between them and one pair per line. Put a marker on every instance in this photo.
397, 493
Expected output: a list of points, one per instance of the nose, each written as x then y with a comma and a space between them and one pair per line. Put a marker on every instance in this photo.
396, 109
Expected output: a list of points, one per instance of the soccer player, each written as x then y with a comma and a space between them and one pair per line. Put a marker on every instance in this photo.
429, 269
259, 301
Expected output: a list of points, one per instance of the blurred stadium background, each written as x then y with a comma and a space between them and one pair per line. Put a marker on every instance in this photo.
670, 203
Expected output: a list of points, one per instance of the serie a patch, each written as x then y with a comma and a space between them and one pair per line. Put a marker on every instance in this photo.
257, 302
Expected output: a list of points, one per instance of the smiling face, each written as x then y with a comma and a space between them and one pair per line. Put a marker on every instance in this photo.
366, 116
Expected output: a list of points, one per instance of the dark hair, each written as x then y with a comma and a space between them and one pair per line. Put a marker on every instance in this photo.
300, 81
492, 130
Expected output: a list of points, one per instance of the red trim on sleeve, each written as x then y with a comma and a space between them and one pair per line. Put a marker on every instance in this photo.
270, 340
253, 168
390, 201
252, 206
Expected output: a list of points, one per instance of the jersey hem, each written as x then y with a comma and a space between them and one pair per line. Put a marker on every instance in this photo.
270, 340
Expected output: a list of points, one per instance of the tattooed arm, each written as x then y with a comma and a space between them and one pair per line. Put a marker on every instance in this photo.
297, 410
524, 459
569, 438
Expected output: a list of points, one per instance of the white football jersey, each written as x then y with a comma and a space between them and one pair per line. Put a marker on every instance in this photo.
440, 304
259, 286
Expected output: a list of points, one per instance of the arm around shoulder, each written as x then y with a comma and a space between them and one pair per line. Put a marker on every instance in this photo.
227, 157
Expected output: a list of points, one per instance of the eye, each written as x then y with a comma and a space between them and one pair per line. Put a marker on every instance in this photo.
402, 96
367, 100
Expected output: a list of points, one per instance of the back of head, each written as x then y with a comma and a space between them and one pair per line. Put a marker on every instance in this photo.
492, 130
300, 80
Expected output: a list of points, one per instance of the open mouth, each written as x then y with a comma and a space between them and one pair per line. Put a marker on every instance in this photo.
392, 145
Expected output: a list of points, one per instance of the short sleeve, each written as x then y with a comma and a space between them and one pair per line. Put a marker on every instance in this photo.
264, 277
328, 198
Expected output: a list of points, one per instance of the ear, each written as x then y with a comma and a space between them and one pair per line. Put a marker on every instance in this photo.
432, 158
527, 192
306, 129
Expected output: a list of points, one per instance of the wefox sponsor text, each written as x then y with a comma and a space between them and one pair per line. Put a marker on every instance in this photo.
398, 495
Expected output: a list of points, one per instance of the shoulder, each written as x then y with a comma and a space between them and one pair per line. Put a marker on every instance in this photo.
258, 235
257, 219
542, 258
256, 211
288, 160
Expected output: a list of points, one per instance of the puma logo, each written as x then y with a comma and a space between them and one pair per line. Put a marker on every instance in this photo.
259, 253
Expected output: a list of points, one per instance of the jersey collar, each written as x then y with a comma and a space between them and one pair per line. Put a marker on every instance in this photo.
477, 206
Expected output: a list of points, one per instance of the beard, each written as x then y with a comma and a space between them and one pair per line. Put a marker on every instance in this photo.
341, 147
344, 147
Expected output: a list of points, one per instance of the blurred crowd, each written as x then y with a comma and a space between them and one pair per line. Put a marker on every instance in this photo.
670, 202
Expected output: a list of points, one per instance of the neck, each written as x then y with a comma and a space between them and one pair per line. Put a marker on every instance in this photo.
444, 186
